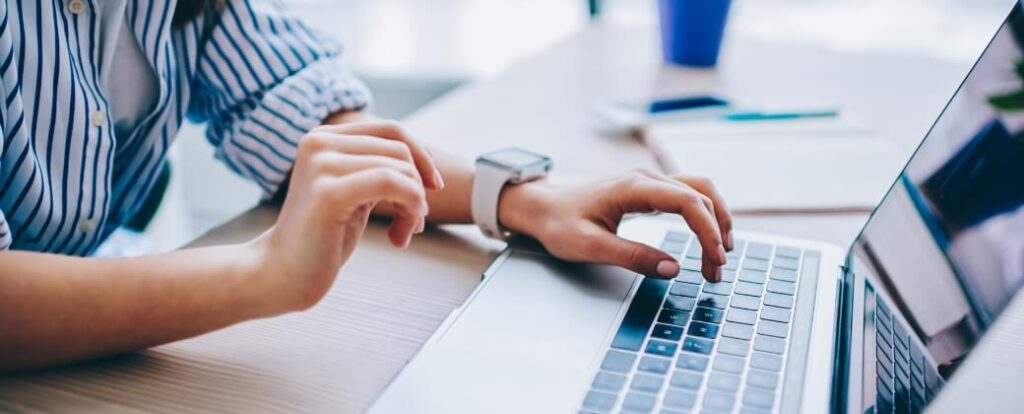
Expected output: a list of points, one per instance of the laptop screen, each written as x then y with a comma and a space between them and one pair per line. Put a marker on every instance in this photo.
947, 241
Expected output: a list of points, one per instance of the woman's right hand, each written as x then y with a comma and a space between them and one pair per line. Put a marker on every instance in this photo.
340, 174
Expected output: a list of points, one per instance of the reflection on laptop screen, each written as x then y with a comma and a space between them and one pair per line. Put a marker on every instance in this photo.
947, 242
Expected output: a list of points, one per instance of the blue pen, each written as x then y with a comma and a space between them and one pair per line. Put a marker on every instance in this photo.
774, 116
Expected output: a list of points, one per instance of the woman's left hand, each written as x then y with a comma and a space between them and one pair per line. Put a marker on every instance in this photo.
580, 223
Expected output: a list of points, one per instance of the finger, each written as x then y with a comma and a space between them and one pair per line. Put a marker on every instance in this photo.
604, 247
707, 188
327, 143
644, 194
373, 186
393, 131
338, 164
722, 214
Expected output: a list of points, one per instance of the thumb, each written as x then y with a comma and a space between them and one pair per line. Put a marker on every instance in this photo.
611, 249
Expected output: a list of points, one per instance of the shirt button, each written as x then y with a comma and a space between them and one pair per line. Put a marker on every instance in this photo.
99, 118
87, 225
76, 6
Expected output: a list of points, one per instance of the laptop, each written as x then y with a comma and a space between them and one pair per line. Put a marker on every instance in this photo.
795, 326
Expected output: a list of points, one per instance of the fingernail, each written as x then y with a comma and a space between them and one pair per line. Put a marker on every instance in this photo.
721, 254
438, 179
668, 268
730, 245
718, 274
422, 225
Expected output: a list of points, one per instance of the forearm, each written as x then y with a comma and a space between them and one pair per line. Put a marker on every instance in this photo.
56, 309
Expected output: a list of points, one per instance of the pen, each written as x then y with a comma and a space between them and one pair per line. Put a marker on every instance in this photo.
772, 116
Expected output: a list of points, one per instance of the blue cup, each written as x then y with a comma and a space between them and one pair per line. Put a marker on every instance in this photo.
691, 30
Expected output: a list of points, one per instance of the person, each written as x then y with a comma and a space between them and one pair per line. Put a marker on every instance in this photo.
95, 92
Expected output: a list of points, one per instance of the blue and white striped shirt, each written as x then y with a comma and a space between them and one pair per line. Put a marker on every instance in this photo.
258, 76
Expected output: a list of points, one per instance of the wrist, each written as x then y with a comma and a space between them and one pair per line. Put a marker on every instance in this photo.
252, 274
522, 208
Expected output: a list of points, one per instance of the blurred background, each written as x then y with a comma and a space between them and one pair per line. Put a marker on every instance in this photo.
411, 52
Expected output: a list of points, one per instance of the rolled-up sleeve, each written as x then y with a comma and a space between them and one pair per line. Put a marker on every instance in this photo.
263, 81
6, 238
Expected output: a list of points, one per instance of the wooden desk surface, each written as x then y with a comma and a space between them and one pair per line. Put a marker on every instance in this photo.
340, 355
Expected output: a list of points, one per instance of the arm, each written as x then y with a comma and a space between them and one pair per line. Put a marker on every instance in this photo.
56, 309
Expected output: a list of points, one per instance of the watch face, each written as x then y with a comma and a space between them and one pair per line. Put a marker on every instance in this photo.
514, 158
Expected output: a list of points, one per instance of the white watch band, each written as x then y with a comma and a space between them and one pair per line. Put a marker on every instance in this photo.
488, 182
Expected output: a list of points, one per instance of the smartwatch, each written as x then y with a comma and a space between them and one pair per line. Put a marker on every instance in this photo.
495, 170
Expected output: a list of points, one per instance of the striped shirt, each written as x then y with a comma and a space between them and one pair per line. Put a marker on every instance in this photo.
257, 76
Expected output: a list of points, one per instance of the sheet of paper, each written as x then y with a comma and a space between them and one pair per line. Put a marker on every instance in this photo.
784, 166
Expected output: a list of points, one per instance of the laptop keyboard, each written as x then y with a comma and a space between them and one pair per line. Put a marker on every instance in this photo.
686, 346
906, 379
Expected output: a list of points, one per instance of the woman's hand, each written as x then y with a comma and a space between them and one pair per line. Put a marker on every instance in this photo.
341, 173
580, 223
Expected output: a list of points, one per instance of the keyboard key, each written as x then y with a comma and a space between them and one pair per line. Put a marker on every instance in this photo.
728, 364
674, 248
691, 264
684, 289
724, 382
638, 402
618, 361
690, 277
775, 329
680, 399
766, 361
649, 383
745, 302
722, 288
640, 315
718, 401
749, 289
770, 344
694, 252
673, 317
759, 250
662, 348
751, 410
713, 301
731, 263
729, 275
762, 379
787, 275
655, 365
609, 381
776, 314
786, 263
786, 251
758, 398
735, 347
692, 362
698, 345
686, 379
711, 315
779, 286
679, 303
599, 400
677, 236
670, 332
738, 331
703, 330
778, 301
741, 315
755, 264
752, 276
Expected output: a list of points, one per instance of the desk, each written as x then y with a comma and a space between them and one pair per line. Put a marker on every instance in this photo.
340, 355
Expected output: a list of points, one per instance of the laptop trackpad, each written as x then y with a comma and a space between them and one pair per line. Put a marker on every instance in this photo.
525, 343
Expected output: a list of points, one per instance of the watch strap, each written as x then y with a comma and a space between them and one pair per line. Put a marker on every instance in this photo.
488, 182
